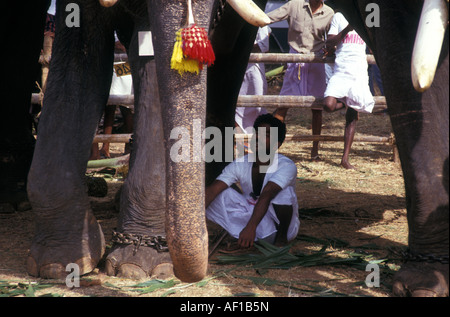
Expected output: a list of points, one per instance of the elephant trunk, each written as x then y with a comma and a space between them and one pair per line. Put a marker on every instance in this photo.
185, 222
183, 102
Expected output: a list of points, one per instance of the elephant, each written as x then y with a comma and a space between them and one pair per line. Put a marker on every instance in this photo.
162, 198
161, 222
419, 118
16, 139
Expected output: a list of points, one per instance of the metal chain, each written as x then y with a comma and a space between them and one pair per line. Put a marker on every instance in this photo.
159, 243
429, 258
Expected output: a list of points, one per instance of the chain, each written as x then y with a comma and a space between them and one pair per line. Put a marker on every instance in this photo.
158, 243
429, 258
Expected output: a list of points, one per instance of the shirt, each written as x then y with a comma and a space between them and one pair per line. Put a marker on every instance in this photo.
307, 32
352, 49
282, 172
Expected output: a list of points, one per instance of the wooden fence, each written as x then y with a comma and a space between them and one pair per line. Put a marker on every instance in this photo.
273, 101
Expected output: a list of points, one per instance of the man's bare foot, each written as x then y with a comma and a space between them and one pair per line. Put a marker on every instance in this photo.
281, 241
104, 154
347, 165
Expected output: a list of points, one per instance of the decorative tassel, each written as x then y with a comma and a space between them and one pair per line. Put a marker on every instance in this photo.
192, 47
179, 62
196, 45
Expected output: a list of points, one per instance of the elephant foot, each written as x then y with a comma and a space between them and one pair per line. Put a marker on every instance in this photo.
131, 262
420, 279
49, 257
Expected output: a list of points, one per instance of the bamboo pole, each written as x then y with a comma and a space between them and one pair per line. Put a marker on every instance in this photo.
327, 138
112, 138
294, 101
249, 101
275, 58
125, 138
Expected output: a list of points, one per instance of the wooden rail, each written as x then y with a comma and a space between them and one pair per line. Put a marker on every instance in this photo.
276, 58
125, 138
273, 101
247, 101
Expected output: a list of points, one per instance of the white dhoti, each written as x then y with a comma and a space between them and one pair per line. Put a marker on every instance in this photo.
121, 85
350, 83
232, 211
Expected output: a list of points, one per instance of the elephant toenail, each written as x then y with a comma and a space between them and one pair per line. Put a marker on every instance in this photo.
163, 271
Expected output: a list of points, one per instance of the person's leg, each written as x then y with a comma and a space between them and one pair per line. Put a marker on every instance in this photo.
332, 104
227, 211
284, 215
108, 122
280, 113
95, 153
316, 130
351, 118
127, 115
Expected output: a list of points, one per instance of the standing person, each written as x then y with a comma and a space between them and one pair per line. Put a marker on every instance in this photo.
49, 37
254, 83
309, 22
349, 84
121, 84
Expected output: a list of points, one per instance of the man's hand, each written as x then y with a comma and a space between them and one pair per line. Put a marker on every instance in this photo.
247, 237
248, 234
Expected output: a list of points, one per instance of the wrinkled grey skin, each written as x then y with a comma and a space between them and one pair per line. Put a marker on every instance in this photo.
420, 124
160, 196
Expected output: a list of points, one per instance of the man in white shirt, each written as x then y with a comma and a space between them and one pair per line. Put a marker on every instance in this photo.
267, 208
348, 86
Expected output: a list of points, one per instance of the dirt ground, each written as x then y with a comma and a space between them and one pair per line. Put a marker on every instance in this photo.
357, 215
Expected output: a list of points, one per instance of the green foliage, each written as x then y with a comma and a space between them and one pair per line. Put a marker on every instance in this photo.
13, 289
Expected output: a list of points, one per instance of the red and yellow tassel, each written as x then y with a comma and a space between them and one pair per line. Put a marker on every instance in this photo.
192, 48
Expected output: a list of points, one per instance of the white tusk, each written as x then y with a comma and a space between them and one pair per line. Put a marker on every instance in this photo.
250, 12
428, 44
108, 3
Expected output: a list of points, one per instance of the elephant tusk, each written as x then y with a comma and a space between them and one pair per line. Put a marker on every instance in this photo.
428, 43
108, 3
250, 12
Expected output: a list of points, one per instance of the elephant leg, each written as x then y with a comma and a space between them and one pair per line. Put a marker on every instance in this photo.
143, 197
420, 122
19, 75
77, 91
426, 271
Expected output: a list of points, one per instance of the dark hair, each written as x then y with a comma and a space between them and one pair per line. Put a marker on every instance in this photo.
273, 122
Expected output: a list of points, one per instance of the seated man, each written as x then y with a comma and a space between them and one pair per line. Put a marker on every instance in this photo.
267, 208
